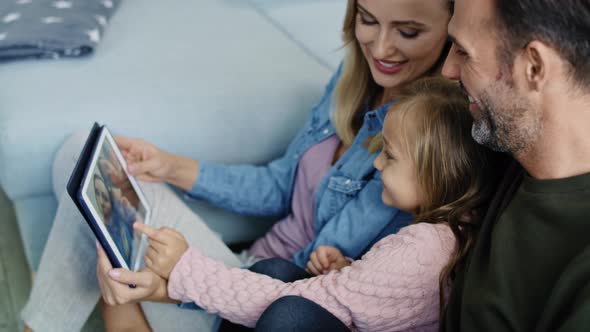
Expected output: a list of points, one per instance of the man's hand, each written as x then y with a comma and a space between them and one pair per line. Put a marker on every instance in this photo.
326, 259
166, 246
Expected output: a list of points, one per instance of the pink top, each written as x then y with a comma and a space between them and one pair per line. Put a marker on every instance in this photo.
394, 287
296, 230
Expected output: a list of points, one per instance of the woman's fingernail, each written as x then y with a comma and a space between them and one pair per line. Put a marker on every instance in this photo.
131, 168
115, 273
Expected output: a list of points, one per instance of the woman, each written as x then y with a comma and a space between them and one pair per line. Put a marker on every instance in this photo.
325, 182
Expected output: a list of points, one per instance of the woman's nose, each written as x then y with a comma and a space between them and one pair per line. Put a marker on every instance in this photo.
383, 46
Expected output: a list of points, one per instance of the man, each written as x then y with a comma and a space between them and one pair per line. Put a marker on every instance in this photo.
526, 67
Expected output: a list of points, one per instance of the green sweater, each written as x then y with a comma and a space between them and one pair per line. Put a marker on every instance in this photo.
529, 269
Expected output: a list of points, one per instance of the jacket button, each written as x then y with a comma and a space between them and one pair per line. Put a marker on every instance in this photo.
326, 131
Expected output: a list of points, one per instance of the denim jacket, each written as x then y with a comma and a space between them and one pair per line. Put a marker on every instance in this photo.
348, 211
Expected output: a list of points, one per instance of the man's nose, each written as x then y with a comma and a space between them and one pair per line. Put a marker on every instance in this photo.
451, 69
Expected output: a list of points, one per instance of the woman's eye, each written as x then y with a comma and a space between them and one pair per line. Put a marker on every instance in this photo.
367, 21
409, 34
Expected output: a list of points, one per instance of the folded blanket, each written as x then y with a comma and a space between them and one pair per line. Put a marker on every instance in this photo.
52, 28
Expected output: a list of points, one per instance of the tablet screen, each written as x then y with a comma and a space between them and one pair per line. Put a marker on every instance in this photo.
115, 200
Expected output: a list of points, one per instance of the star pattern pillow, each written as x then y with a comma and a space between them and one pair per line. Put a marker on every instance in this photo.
52, 28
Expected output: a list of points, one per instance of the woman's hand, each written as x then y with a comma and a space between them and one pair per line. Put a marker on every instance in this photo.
144, 160
326, 259
166, 246
148, 163
114, 283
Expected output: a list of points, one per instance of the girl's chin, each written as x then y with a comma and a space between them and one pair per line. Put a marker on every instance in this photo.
386, 199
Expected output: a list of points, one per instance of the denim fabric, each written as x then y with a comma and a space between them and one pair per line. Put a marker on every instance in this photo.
291, 314
298, 314
281, 269
349, 213
276, 268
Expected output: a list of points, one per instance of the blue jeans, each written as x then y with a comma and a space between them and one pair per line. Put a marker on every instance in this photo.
298, 314
281, 269
290, 313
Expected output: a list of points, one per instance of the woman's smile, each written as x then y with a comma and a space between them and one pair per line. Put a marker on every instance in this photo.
389, 67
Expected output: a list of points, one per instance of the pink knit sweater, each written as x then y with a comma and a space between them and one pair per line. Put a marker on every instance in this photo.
394, 287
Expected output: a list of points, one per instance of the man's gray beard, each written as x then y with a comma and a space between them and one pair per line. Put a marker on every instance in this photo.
484, 134
502, 126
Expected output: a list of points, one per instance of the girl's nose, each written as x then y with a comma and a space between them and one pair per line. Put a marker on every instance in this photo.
377, 162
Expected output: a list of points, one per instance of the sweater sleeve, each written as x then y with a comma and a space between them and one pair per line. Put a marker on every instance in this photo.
393, 287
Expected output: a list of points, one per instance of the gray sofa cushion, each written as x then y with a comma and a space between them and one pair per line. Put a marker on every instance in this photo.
52, 28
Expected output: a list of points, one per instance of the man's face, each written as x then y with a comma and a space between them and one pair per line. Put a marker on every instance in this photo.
504, 119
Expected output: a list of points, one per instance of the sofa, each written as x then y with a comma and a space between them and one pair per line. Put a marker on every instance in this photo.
222, 80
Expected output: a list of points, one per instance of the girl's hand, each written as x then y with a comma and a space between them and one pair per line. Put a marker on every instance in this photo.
165, 249
326, 259
114, 283
148, 163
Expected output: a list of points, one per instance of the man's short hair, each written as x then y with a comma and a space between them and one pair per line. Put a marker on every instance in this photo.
561, 24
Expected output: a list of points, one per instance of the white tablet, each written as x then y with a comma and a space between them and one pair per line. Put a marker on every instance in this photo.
113, 201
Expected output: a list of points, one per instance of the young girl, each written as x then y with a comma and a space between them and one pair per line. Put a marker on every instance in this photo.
430, 167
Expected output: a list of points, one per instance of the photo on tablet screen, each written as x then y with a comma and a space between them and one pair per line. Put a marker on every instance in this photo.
115, 201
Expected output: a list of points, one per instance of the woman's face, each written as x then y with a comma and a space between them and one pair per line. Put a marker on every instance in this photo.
401, 39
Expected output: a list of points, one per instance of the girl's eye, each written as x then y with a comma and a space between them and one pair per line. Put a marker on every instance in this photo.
388, 155
366, 21
409, 34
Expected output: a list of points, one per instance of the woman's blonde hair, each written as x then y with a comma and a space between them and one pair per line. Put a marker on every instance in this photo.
455, 175
356, 84
356, 88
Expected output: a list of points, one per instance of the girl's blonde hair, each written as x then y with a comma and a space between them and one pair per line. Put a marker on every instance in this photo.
455, 175
356, 88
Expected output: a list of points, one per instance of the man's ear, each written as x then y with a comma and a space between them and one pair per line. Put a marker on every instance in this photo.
541, 63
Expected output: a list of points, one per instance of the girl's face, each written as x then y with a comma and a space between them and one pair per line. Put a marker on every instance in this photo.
401, 39
398, 170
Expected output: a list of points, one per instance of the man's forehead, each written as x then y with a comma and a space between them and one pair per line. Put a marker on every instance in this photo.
471, 20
